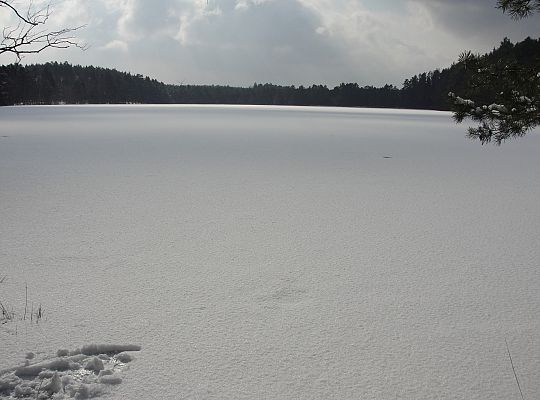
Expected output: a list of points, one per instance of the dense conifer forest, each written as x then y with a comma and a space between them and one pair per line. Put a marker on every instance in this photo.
62, 83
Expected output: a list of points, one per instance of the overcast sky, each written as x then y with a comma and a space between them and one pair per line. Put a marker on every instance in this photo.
239, 42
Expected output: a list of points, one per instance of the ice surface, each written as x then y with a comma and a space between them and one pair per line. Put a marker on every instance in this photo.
272, 253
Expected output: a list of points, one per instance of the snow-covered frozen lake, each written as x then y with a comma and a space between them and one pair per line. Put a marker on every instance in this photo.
274, 253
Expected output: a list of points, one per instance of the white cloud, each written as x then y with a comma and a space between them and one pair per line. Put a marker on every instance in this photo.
245, 4
115, 45
281, 41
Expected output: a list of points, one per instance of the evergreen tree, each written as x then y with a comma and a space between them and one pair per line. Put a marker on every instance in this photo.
504, 91
57, 83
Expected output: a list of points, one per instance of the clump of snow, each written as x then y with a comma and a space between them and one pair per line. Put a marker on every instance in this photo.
96, 349
24, 390
110, 380
94, 364
84, 391
105, 372
46, 374
497, 107
81, 374
56, 364
462, 101
62, 353
54, 385
9, 382
67, 380
30, 355
124, 357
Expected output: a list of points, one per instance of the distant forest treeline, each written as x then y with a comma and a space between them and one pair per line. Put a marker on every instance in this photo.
57, 83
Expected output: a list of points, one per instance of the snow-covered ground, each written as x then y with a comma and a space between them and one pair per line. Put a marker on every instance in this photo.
267, 253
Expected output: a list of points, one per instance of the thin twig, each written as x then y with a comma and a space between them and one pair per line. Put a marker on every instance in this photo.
26, 301
513, 369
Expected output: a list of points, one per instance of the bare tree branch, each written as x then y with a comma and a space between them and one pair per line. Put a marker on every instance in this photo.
30, 35
17, 13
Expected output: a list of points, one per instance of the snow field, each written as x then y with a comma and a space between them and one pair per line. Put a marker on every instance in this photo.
271, 252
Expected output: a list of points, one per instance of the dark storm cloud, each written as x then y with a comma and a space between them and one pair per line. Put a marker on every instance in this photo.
480, 20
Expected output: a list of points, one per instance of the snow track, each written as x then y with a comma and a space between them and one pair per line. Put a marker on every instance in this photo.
83, 373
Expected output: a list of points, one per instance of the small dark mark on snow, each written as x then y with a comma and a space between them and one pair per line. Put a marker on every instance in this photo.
387, 157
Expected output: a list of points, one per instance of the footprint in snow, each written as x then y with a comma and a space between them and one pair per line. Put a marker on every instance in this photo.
80, 374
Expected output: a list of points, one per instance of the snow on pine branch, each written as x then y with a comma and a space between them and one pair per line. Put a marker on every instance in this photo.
513, 91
